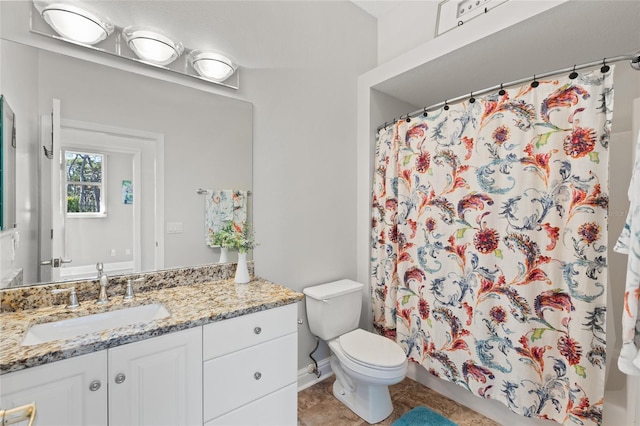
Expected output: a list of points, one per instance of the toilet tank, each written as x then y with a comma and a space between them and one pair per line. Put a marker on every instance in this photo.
333, 308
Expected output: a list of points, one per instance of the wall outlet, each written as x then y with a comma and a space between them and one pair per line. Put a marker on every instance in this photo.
113, 252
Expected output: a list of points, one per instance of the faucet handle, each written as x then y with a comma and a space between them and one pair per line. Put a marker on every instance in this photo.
128, 295
73, 298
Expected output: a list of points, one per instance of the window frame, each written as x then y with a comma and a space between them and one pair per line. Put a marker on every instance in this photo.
102, 214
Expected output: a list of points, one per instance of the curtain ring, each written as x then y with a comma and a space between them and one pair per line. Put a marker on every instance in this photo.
446, 106
408, 119
605, 68
385, 125
534, 83
472, 99
424, 112
574, 74
502, 91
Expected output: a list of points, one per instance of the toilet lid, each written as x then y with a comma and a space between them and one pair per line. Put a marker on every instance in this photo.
371, 349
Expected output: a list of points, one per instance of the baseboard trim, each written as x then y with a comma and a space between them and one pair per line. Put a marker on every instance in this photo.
306, 379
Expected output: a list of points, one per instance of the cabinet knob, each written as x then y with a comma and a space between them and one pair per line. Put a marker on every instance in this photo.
120, 378
95, 385
257, 330
257, 375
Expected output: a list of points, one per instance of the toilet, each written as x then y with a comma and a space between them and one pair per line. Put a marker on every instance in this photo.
365, 364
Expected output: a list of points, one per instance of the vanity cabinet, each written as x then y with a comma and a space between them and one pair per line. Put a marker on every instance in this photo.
156, 381
239, 371
249, 369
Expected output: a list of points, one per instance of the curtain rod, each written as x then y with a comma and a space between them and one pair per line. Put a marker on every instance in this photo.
633, 58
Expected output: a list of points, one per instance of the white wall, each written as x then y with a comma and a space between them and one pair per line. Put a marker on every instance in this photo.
408, 25
304, 146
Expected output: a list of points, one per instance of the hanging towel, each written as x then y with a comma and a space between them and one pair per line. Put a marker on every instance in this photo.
222, 206
629, 243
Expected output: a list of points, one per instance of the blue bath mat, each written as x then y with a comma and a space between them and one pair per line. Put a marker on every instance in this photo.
422, 416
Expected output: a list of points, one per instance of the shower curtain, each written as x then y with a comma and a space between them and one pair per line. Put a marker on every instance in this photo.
489, 230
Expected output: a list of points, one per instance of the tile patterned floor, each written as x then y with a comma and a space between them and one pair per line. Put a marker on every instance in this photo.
318, 407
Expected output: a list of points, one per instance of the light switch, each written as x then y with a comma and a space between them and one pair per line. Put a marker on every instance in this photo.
174, 228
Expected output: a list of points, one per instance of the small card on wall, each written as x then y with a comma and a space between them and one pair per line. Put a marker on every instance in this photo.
127, 192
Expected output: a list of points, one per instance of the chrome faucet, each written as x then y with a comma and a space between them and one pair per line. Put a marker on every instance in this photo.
103, 280
73, 298
128, 295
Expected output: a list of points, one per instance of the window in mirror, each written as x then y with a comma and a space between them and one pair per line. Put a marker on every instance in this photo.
85, 177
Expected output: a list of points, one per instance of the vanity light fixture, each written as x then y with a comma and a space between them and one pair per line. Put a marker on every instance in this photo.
151, 46
74, 23
70, 22
212, 65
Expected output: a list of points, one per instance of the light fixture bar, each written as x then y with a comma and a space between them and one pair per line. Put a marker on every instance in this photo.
119, 47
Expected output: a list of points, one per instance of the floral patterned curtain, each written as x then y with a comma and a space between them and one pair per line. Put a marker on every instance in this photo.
489, 244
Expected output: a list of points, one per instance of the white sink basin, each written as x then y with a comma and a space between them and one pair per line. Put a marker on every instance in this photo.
73, 327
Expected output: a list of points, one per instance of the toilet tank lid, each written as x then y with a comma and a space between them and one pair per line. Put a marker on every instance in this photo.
332, 289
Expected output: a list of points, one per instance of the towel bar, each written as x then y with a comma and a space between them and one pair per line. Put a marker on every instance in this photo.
204, 191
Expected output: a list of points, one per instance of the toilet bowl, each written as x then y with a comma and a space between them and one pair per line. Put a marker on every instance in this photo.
370, 357
363, 375
365, 364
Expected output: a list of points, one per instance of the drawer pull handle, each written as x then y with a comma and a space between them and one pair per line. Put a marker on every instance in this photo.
95, 385
120, 378
257, 375
257, 330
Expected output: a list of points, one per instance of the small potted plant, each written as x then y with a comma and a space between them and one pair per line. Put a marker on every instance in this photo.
224, 238
243, 240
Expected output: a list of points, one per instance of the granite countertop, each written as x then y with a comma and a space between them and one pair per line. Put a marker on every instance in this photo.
189, 305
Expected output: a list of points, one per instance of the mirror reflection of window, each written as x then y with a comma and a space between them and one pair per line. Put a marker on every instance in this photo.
84, 183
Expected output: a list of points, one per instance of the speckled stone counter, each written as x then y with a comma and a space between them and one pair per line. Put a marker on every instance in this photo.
190, 305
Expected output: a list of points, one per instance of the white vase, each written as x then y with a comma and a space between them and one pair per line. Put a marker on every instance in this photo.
242, 272
224, 255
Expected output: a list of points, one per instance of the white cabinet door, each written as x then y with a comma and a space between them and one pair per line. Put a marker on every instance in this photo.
68, 392
157, 381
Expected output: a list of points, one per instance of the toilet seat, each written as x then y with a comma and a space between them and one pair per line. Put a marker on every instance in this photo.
365, 351
372, 350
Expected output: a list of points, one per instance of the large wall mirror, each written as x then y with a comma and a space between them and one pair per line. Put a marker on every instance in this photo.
128, 134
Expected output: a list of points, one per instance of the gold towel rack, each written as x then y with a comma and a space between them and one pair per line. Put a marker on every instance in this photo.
18, 414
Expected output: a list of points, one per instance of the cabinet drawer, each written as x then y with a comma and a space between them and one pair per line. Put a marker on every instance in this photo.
277, 409
230, 335
236, 379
